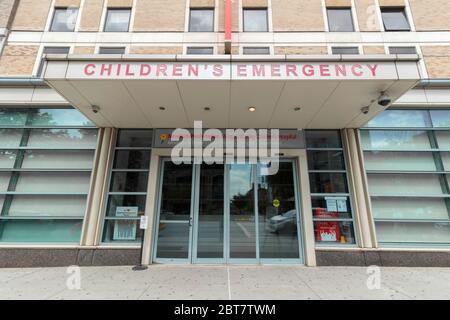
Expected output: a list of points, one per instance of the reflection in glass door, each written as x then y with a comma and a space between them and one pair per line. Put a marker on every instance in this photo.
175, 218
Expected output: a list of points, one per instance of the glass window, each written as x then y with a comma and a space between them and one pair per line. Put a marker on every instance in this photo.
111, 50
64, 19
201, 20
330, 198
255, 20
402, 50
48, 189
345, 50
256, 50
51, 50
340, 20
200, 50
408, 179
128, 187
394, 19
117, 20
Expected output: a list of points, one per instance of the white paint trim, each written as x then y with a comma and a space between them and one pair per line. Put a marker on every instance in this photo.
80, 12
380, 18
269, 16
355, 16
240, 16
409, 16
325, 16
187, 15
101, 26
50, 16
132, 16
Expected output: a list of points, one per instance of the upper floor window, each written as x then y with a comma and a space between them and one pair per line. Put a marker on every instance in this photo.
200, 50
344, 50
256, 50
402, 50
117, 20
50, 50
255, 20
111, 50
395, 19
340, 20
201, 20
64, 20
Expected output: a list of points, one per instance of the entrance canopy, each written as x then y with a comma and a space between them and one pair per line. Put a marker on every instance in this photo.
136, 91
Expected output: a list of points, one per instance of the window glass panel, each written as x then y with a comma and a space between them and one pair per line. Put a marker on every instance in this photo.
132, 159
115, 201
320, 207
440, 118
398, 184
443, 139
395, 140
129, 182
2, 199
402, 50
445, 156
394, 19
58, 117
409, 208
340, 20
201, 20
117, 20
255, 50
332, 232
58, 231
12, 117
108, 50
123, 230
47, 205
326, 160
401, 118
64, 19
58, 159
199, 50
135, 138
409, 232
63, 138
323, 139
7, 159
53, 182
400, 161
345, 50
255, 20
328, 182
4, 181
10, 138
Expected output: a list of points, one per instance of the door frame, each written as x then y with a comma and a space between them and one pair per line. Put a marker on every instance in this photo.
303, 196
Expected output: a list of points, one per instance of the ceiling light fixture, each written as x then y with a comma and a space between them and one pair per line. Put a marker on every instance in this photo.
252, 109
162, 108
207, 109
297, 109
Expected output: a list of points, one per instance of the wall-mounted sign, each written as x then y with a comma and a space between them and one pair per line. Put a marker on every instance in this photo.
336, 204
135, 70
125, 230
288, 138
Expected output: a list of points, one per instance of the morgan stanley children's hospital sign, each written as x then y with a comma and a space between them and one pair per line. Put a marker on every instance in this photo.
231, 71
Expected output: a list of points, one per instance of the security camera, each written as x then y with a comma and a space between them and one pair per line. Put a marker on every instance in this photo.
365, 110
384, 100
95, 109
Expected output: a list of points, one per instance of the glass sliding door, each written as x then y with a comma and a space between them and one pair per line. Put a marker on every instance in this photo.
278, 214
175, 213
242, 217
209, 222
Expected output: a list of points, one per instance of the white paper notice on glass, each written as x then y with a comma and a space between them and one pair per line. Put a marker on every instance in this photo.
144, 223
341, 204
331, 204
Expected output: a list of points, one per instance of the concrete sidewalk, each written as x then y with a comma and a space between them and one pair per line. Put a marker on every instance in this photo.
225, 282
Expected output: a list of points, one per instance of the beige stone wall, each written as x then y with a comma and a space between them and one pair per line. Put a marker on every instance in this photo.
374, 50
159, 15
156, 50
6, 11
120, 3
437, 61
427, 18
91, 15
338, 3
202, 3
301, 50
18, 60
67, 3
84, 50
254, 3
297, 15
392, 3
366, 11
31, 15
